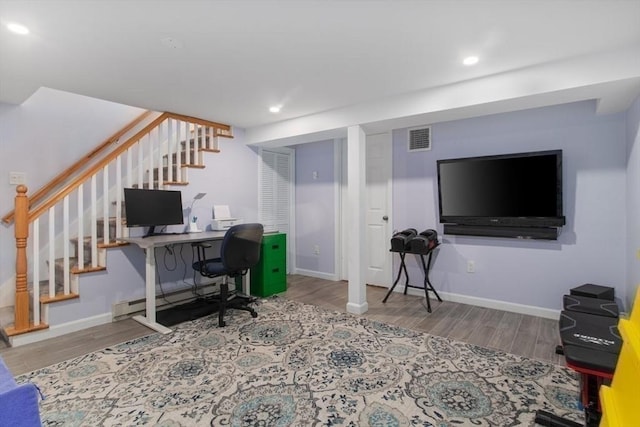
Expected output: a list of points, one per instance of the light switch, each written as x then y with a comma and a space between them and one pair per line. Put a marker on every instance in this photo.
17, 178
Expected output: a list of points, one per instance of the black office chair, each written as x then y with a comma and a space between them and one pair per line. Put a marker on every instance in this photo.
239, 252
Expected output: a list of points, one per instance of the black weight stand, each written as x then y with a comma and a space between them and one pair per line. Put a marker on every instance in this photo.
425, 267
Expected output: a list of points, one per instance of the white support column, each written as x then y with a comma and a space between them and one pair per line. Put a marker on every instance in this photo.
356, 190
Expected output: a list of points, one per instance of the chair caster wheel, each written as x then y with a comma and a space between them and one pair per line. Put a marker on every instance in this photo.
254, 315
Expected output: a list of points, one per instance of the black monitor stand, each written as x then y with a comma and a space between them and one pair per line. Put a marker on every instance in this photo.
152, 232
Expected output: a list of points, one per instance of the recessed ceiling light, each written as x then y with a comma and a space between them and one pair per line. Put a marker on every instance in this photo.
275, 109
470, 60
14, 27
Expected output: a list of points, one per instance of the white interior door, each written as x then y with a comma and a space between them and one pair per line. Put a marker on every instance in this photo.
378, 179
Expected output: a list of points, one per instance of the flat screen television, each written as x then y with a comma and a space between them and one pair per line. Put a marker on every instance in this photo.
152, 208
509, 190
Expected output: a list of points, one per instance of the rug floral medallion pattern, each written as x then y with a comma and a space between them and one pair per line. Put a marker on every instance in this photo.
300, 365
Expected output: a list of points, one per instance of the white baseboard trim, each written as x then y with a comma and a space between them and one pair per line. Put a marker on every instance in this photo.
447, 296
101, 319
317, 274
58, 330
121, 310
488, 303
357, 308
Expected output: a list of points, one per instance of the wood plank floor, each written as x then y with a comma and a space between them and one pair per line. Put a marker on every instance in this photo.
524, 335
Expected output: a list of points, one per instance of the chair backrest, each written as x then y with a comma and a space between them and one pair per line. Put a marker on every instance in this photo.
240, 248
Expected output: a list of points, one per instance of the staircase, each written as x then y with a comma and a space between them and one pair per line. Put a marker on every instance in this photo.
68, 226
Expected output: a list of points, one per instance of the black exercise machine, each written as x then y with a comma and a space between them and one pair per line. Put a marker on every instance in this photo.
591, 344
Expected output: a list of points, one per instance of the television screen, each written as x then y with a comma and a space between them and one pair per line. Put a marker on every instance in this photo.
523, 189
151, 208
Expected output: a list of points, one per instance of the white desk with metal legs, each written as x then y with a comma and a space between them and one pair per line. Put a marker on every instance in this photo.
149, 244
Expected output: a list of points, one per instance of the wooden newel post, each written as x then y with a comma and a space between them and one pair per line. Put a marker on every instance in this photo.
21, 226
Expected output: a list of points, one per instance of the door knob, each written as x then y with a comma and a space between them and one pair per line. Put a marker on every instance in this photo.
385, 218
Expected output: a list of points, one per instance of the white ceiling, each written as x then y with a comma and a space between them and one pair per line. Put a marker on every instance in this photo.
355, 60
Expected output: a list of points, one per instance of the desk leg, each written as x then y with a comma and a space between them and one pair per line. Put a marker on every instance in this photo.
149, 319
402, 267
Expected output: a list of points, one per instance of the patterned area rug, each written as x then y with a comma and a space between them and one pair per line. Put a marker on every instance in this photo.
300, 365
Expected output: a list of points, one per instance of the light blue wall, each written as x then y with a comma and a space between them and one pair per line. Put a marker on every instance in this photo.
229, 178
315, 207
633, 201
123, 281
592, 246
598, 244
52, 130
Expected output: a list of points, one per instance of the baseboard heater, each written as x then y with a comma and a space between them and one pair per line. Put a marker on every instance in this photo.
124, 309
541, 233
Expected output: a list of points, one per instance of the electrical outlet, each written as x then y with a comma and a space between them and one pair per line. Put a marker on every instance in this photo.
316, 250
471, 266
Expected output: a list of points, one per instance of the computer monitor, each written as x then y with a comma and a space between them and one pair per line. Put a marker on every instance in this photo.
152, 208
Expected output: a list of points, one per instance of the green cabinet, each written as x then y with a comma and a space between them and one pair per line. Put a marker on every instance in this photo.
269, 276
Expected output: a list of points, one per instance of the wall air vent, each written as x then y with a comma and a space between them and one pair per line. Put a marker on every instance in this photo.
420, 138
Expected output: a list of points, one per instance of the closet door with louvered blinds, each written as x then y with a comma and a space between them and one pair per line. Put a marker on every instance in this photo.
274, 198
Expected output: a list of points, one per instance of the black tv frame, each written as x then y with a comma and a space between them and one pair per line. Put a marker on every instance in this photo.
536, 227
